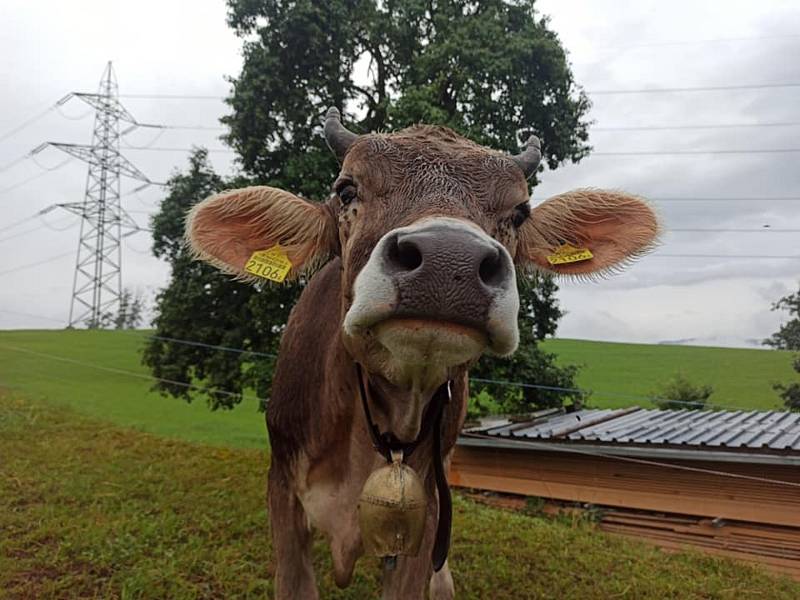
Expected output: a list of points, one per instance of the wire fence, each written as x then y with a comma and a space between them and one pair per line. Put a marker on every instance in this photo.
583, 392
642, 461
549, 447
191, 386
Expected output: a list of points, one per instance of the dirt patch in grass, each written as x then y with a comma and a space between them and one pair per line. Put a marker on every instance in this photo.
91, 510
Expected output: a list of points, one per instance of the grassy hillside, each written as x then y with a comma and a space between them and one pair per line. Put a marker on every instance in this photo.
107, 380
100, 387
617, 372
90, 510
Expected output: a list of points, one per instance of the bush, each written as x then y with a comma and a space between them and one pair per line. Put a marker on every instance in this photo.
680, 393
790, 393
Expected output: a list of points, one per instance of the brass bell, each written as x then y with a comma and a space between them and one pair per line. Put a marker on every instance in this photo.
392, 510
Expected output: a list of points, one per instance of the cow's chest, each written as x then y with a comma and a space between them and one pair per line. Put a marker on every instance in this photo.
328, 490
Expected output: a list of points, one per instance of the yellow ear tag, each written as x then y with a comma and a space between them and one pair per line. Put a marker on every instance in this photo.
271, 264
567, 253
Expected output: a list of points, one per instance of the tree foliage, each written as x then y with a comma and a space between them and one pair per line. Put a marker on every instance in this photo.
208, 309
538, 318
788, 336
127, 316
790, 392
491, 70
679, 393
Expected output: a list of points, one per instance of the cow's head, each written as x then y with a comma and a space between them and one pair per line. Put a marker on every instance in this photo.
430, 228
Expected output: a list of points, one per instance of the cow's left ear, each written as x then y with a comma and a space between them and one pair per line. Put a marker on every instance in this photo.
227, 228
613, 226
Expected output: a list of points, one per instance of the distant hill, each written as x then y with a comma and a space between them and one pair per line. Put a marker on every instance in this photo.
619, 373
99, 373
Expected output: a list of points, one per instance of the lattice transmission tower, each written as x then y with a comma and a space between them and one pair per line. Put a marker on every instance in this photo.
97, 283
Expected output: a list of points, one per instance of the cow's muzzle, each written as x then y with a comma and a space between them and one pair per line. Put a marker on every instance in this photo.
439, 290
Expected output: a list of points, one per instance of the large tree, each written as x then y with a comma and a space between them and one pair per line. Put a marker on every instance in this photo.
547, 384
788, 336
491, 70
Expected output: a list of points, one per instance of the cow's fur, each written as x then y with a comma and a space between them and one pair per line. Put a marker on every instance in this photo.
321, 450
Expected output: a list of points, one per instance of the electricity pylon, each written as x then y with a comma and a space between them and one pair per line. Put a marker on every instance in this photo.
97, 283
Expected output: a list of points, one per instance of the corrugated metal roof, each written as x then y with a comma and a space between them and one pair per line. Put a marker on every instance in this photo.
743, 430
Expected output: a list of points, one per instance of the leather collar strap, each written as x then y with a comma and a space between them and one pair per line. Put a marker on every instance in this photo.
385, 443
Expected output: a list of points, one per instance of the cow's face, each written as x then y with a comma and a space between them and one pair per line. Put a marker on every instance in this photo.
430, 228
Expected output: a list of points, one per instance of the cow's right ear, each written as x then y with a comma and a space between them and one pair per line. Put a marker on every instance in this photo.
227, 228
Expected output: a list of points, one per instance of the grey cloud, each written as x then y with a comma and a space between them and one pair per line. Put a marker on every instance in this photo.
49, 50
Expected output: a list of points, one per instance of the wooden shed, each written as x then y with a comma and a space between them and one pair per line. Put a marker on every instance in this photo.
727, 482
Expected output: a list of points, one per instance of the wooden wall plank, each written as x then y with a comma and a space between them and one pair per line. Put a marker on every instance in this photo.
603, 481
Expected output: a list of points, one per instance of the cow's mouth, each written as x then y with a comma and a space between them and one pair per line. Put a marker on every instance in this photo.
419, 353
424, 341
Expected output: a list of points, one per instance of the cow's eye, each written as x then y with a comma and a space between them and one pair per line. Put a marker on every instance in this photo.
521, 214
347, 193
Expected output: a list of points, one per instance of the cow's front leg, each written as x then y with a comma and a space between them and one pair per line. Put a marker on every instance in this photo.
413, 576
291, 540
442, 584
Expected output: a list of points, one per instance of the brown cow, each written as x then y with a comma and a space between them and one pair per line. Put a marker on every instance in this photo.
418, 245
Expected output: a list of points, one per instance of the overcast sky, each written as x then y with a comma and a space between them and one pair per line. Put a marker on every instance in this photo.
49, 48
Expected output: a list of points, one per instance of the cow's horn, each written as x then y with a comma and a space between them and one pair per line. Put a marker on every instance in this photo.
528, 160
339, 139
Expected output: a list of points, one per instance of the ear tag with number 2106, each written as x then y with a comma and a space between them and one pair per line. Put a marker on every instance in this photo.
567, 253
271, 264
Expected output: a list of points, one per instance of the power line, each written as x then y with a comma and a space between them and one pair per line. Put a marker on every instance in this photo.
172, 97
27, 231
733, 199
709, 88
25, 220
34, 177
630, 153
35, 264
166, 149
751, 230
693, 152
600, 92
740, 256
698, 126
64, 220
24, 314
21, 233
706, 41
27, 122
15, 162
38, 213
187, 127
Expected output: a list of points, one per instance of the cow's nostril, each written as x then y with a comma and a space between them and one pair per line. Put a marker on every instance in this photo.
492, 269
404, 255
408, 255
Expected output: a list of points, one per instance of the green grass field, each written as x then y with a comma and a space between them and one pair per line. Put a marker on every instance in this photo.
741, 378
41, 365
108, 490
27, 364
92, 510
